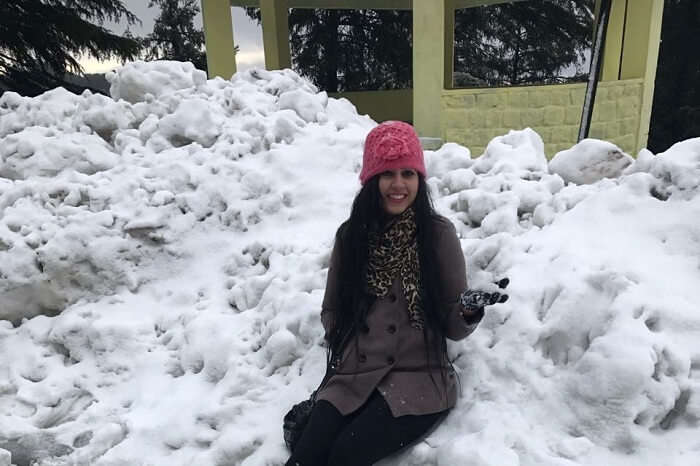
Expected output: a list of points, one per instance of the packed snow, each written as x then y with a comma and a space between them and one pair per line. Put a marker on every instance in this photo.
163, 256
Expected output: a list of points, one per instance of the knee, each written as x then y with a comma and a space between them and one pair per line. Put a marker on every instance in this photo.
344, 451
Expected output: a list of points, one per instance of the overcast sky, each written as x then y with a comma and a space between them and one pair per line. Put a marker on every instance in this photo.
246, 33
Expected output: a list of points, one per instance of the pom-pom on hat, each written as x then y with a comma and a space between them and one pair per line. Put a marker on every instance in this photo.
391, 145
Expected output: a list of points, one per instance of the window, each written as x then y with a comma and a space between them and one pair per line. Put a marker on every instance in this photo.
523, 43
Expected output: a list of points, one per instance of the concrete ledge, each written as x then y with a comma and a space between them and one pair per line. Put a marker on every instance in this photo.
430, 143
395, 104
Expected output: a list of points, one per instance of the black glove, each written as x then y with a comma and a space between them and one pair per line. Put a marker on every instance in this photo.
474, 301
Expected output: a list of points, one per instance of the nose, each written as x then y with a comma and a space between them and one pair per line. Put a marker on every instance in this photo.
397, 180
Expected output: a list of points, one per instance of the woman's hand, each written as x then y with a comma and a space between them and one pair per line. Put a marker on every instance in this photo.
474, 301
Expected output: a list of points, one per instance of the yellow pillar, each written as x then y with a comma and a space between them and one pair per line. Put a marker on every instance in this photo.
640, 54
429, 50
612, 54
218, 37
275, 26
449, 42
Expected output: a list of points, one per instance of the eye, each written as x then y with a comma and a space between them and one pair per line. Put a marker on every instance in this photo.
386, 174
408, 173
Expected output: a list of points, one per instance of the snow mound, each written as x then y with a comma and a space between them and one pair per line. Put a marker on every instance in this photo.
141, 81
516, 151
163, 259
96, 191
678, 167
4, 458
589, 161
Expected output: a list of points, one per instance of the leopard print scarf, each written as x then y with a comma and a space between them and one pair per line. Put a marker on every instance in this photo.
392, 252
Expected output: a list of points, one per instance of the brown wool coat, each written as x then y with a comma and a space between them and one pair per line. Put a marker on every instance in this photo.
391, 356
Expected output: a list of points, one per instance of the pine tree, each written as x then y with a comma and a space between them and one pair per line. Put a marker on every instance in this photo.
523, 43
346, 50
174, 35
40, 40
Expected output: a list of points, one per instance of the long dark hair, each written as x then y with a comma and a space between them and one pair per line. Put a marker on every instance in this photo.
367, 215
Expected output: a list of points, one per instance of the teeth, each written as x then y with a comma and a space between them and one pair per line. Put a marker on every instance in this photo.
397, 196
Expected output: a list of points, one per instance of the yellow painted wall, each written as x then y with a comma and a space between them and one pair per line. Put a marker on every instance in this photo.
382, 105
473, 117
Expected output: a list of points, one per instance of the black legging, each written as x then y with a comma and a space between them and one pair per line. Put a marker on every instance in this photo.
360, 438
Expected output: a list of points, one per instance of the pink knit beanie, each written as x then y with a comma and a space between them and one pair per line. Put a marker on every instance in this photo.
391, 145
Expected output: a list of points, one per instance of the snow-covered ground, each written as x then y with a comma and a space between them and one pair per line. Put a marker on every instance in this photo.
163, 256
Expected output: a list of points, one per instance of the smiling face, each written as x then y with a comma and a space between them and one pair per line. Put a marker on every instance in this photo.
398, 189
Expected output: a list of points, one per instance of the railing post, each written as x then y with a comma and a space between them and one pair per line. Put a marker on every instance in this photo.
594, 74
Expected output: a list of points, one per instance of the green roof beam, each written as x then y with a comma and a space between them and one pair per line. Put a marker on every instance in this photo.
365, 4
460, 4
336, 4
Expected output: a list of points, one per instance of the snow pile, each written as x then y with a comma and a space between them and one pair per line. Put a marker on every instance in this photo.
101, 191
589, 161
141, 81
517, 150
163, 259
599, 340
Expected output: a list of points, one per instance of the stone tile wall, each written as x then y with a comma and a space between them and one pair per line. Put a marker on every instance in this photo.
473, 117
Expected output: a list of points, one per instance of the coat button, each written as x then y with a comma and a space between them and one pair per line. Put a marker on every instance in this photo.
364, 328
363, 358
391, 328
390, 360
392, 297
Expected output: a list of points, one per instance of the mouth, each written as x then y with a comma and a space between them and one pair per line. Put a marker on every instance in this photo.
397, 197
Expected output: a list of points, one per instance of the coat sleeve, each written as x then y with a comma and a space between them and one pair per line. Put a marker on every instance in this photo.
331, 303
453, 281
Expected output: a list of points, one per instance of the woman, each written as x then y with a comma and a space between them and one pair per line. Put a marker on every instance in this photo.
392, 296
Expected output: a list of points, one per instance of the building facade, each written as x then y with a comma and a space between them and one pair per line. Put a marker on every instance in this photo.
472, 117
